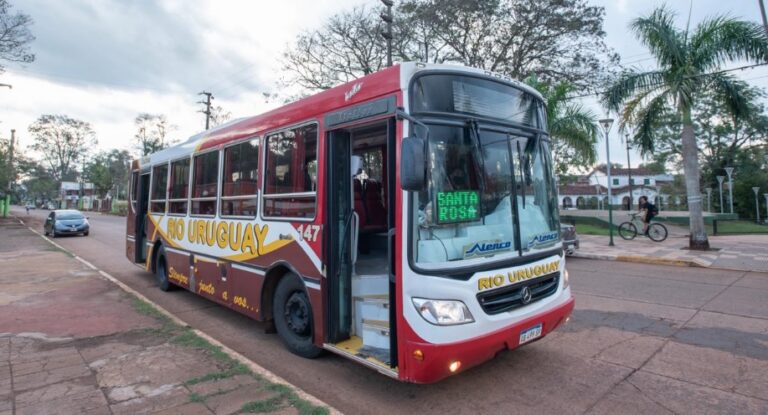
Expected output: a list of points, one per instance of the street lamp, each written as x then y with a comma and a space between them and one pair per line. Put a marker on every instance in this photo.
729, 172
709, 199
629, 173
720, 185
606, 123
757, 203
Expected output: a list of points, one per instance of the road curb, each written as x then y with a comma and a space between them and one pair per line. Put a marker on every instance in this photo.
253, 366
643, 259
656, 261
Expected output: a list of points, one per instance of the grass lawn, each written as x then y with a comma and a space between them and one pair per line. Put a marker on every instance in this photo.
589, 229
737, 227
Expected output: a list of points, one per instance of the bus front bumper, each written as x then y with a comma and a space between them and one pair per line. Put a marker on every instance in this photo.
439, 360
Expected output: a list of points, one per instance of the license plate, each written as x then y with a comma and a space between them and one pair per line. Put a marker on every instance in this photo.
530, 334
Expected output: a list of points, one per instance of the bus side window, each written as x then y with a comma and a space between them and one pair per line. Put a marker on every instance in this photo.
159, 188
205, 183
291, 159
239, 181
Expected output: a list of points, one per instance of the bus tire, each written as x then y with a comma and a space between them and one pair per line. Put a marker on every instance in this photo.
292, 312
161, 273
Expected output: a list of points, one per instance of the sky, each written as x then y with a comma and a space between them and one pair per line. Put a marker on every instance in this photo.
106, 61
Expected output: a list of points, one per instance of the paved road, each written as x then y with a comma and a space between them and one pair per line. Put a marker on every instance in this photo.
643, 339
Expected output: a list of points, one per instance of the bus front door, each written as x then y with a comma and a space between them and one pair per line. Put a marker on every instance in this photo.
338, 240
142, 205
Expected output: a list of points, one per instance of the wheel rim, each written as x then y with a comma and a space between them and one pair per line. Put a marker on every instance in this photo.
657, 233
627, 231
297, 314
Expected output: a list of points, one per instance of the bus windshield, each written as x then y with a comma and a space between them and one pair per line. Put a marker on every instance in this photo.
490, 194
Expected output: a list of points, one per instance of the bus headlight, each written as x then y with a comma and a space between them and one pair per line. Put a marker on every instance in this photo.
443, 312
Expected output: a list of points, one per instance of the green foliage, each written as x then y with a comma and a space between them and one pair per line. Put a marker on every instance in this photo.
109, 171
573, 128
196, 397
689, 63
238, 369
285, 396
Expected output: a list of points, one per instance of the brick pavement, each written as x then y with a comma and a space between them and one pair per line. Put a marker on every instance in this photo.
72, 342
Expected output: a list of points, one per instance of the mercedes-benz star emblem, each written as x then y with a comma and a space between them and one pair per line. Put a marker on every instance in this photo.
526, 295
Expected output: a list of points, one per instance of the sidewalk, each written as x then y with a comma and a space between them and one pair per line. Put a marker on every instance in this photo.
72, 342
736, 252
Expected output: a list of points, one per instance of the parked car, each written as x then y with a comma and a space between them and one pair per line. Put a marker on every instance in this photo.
30, 206
570, 238
66, 222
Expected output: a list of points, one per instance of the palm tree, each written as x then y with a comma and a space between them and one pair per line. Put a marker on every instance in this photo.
572, 128
688, 64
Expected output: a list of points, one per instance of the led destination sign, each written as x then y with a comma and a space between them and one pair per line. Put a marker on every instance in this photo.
459, 206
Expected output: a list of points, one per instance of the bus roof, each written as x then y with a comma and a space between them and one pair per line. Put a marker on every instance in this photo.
310, 108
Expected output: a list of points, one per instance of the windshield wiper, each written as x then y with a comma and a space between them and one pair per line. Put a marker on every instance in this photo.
477, 152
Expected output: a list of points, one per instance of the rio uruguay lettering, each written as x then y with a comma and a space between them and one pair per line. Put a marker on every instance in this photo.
517, 275
245, 238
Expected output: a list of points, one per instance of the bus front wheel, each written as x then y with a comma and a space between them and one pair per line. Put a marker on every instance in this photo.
161, 273
292, 312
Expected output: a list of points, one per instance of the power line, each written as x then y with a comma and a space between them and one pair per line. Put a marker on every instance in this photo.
597, 94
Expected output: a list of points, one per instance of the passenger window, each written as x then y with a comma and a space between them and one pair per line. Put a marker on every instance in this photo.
205, 182
159, 188
177, 202
291, 176
239, 191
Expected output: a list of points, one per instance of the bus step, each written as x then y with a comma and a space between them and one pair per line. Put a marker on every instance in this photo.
370, 285
376, 334
370, 307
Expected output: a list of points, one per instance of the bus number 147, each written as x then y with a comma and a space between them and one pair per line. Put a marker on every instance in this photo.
308, 232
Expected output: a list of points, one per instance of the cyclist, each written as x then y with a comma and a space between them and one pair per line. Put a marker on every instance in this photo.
650, 211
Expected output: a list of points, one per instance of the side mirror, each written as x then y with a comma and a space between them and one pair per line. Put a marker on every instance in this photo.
413, 164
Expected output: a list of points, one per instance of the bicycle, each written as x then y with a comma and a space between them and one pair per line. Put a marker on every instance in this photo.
628, 230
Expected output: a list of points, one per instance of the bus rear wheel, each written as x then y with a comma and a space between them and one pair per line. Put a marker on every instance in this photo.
292, 312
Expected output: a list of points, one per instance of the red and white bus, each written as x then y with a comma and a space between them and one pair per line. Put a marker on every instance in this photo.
406, 220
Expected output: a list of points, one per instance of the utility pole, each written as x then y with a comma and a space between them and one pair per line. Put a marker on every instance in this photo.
207, 110
387, 18
11, 175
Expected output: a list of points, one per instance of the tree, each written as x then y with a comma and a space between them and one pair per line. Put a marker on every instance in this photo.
688, 63
219, 116
346, 47
97, 172
151, 133
107, 170
572, 128
40, 184
553, 39
15, 36
61, 141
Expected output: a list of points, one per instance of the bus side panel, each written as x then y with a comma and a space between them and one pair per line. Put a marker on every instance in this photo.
208, 279
245, 290
178, 267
